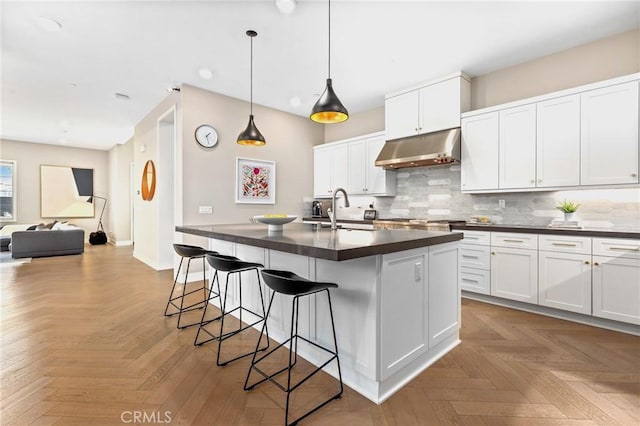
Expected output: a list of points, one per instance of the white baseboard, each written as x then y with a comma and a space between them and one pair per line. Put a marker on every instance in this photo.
121, 243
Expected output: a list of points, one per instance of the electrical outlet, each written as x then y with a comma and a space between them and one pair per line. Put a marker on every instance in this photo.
205, 209
502, 204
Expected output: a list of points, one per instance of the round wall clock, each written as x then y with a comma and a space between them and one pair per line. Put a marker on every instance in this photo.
206, 136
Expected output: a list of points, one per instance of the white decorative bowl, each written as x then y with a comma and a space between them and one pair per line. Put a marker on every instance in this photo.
275, 223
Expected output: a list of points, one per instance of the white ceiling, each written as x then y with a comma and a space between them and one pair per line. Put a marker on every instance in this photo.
59, 87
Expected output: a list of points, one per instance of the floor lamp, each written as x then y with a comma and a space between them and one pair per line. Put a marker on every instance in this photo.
98, 237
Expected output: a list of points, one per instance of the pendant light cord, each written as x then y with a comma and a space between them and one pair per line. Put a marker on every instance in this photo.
329, 71
251, 78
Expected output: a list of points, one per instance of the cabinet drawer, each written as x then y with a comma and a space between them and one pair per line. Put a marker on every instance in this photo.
526, 241
475, 280
475, 256
565, 244
616, 247
477, 237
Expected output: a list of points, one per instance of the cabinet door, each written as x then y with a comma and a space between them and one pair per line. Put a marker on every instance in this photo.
403, 317
401, 115
444, 293
616, 288
514, 274
480, 152
357, 168
609, 126
379, 180
340, 167
558, 142
565, 281
517, 147
440, 106
322, 172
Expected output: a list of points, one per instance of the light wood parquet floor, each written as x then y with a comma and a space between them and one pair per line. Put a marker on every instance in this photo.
84, 342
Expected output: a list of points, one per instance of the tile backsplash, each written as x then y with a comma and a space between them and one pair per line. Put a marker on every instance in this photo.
434, 193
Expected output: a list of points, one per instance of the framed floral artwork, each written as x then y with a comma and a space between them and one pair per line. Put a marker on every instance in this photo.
255, 181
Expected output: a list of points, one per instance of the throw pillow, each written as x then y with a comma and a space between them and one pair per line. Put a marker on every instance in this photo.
50, 225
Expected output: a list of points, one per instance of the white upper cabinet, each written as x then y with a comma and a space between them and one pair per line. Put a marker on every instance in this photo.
322, 171
610, 135
427, 108
517, 147
440, 106
379, 181
401, 115
577, 137
330, 169
479, 156
558, 142
350, 164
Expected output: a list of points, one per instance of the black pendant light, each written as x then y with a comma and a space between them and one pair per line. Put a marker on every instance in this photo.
251, 135
329, 109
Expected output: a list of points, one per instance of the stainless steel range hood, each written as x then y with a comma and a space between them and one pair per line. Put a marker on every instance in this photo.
430, 149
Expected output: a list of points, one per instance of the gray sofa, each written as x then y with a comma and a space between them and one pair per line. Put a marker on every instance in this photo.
47, 243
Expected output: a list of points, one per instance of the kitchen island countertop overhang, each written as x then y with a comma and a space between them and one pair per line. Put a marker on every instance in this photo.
323, 243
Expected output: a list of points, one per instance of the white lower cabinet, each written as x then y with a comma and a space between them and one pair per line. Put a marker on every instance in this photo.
444, 292
564, 272
591, 276
514, 274
514, 266
565, 281
616, 279
404, 326
475, 262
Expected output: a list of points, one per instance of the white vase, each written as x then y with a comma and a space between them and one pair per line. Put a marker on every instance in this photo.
569, 216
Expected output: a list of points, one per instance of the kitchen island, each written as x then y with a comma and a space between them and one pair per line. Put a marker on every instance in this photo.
397, 308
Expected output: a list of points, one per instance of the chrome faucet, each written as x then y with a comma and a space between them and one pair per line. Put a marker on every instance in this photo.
332, 212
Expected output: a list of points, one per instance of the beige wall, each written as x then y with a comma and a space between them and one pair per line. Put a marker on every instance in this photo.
603, 59
146, 214
209, 174
29, 157
357, 124
120, 160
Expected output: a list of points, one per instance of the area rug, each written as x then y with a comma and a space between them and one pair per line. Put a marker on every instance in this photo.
7, 260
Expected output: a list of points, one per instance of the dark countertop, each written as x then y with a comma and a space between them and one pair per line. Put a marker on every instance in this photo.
525, 229
327, 220
306, 240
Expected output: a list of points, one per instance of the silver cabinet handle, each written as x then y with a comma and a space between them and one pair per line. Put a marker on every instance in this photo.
539, 180
513, 241
637, 249
564, 244
533, 181
467, 280
470, 257
634, 174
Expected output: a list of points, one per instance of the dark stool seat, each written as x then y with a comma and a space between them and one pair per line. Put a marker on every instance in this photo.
190, 253
230, 265
288, 283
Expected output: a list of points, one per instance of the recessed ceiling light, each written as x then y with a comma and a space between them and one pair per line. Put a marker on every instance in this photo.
122, 96
295, 101
205, 73
73, 84
286, 6
49, 24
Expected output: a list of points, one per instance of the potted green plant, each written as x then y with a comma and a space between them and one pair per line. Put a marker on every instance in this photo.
569, 209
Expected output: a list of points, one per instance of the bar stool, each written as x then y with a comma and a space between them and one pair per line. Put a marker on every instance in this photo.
230, 265
190, 253
288, 283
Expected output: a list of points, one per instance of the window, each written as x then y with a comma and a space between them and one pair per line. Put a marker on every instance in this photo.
7, 191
